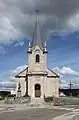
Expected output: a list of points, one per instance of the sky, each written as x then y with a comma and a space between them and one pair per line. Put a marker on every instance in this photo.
59, 26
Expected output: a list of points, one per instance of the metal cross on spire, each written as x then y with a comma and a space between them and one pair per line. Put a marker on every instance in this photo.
37, 11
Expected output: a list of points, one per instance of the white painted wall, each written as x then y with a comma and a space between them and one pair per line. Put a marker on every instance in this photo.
52, 87
32, 65
31, 85
49, 86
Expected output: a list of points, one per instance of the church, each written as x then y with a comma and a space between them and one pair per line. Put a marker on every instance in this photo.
37, 80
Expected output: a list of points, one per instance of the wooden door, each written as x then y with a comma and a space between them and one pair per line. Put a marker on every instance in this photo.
37, 90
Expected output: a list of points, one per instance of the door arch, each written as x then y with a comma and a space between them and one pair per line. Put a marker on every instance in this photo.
37, 90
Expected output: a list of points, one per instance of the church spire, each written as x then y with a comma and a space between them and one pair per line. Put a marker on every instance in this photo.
36, 36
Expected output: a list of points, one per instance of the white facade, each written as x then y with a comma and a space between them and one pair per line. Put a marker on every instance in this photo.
38, 73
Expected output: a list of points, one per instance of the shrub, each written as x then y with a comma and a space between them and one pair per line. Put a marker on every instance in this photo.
48, 99
11, 95
57, 101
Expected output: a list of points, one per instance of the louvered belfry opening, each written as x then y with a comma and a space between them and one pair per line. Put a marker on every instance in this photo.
37, 58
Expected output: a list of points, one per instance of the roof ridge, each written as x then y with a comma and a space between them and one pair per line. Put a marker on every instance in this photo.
53, 72
22, 71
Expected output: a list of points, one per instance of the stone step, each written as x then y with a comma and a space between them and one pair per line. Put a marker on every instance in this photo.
37, 102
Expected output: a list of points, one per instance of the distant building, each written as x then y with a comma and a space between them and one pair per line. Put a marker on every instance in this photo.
13, 92
37, 80
62, 94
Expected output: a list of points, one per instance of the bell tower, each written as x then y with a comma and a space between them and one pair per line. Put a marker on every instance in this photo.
37, 51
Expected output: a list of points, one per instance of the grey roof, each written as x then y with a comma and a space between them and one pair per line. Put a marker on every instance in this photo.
19, 74
36, 36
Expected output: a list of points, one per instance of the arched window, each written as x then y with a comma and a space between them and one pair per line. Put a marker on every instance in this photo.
37, 58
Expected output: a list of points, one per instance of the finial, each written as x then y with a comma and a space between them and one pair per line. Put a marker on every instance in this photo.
29, 44
45, 44
45, 48
29, 48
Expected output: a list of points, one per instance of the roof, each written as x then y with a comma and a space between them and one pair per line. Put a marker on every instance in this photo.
51, 73
23, 73
48, 73
36, 40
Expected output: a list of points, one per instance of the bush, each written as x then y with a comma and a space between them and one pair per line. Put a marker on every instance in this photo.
4, 94
48, 99
57, 101
1, 98
11, 95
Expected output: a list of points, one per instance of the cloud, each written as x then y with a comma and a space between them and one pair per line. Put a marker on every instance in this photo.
14, 72
7, 31
19, 43
65, 71
7, 85
74, 82
73, 22
17, 18
17, 70
8, 81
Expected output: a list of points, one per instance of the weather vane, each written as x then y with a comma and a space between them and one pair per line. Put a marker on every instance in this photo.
37, 11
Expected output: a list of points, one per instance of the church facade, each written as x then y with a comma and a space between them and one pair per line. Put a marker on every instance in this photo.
37, 80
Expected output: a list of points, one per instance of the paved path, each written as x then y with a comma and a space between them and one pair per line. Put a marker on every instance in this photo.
24, 112
32, 114
68, 116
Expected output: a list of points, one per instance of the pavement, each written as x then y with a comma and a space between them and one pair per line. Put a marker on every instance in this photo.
47, 112
32, 114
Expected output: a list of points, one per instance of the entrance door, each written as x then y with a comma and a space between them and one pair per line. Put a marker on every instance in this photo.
37, 90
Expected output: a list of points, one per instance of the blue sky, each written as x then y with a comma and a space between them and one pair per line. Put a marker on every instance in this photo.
65, 50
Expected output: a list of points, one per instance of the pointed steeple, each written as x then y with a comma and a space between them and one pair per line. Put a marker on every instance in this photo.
36, 36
